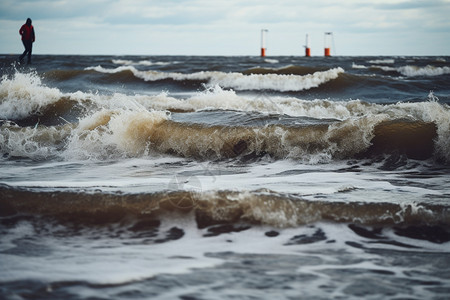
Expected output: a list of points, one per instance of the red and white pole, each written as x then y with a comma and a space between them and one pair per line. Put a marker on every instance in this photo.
327, 42
307, 49
263, 42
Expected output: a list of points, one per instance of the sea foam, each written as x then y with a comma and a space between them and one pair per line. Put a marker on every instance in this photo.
24, 94
236, 80
411, 71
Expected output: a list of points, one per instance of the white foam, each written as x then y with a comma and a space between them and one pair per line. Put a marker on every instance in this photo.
355, 66
412, 71
271, 61
216, 97
24, 94
382, 61
122, 62
127, 62
32, 142
275, 81
384, 68
238, 81
108, 133
108, 260
408, 71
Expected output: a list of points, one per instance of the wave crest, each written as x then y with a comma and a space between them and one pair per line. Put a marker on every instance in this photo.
238, 81
412, 71
114, 133
408, 71
24, 94
257, 207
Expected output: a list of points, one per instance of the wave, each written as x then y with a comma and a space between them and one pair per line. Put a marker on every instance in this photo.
109, 134
382, 61
24, 94
234, 80
220, 207
375, 67
286, 70
408, 71
127, 62
42, 122
271, 61
412, 71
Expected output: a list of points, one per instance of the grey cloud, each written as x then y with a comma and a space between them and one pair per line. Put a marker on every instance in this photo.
47, 10
413, 5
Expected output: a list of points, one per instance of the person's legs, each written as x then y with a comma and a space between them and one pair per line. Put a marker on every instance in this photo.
28, 48
24, 52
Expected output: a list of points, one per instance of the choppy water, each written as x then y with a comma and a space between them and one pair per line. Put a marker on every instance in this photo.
225, 178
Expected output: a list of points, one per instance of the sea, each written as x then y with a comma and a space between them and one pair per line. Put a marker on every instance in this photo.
225, 177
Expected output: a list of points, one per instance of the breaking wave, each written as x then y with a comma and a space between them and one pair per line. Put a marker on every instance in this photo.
110, 134
235, 80
411, 71
126, 62
219, 207
41, 122
382, 61
408, 71
24, 94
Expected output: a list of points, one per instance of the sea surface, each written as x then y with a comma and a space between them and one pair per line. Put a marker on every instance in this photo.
206, 177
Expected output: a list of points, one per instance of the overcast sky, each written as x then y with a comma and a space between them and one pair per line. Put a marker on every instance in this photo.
228, 27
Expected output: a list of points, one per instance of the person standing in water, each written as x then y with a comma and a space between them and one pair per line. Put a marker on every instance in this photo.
28, 38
